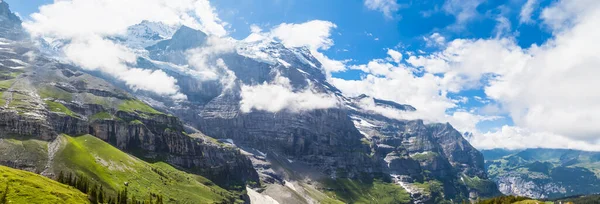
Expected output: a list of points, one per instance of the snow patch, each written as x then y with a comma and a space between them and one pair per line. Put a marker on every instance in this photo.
284, 63
290, 185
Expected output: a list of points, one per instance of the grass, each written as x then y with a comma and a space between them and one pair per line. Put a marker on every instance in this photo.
376, 191
111, 167
533, 202
319, 196
430, 187
424, 156
483, 186
136, 122
55, 93
103, 116
6, 84
28, 151
509, 199
365, 141
10, 74
59, 108
21, 103
2, 100
132, 106
26, 187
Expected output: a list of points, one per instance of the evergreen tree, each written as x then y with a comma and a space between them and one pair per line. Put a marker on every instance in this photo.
61, 177
4, 196
123, 197
101, 195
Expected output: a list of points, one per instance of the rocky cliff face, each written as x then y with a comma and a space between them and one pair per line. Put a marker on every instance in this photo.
423, 151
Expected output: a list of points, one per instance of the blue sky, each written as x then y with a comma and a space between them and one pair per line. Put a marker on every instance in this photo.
482, 69
358, 27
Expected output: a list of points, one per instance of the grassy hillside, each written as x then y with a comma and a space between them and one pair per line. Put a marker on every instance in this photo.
115, 170
376, 191
18, 186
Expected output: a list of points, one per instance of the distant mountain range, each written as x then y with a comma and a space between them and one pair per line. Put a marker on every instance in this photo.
544, 173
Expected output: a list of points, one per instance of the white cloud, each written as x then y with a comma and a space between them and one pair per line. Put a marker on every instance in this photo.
312, 34
255, 29
315, 35
387, 7
551, 93
519, 138
465, 62
395, 55
328, 64
85, 25
205, 60
463, 10
564, 14
435, 39
526, 11
503, 26
278, 96
95, 53
399, 83
547, 90
76, 18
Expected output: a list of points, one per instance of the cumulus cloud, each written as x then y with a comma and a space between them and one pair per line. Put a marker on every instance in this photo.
435, 40
546, 90
85, 26
279, 96
75, 18
395, 55
551, 92
565, 14
313, 34
399, 83
387, 7
511, 137
94, 53
465, 62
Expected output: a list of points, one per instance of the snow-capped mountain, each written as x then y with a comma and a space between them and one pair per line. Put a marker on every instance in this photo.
342, 139
271, 108
146, 33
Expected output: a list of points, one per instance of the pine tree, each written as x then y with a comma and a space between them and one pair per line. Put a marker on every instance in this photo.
159, 200
101, 195
93, 194
61, 177
123, 197
4, 196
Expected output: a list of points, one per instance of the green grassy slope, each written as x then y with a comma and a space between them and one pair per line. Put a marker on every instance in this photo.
376, 191
26, 187
93, 158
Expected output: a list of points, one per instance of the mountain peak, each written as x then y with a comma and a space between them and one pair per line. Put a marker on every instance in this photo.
386, 103
183, 39
10, 23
